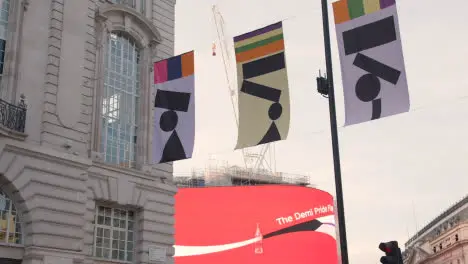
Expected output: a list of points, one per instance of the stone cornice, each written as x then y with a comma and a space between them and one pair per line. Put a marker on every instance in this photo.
38, 253
164, 188
144, 180
12, 133
38, 152
108, 170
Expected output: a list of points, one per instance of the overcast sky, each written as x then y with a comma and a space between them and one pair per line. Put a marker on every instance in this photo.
388, 165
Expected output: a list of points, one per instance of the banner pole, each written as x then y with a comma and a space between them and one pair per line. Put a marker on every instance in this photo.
334, 136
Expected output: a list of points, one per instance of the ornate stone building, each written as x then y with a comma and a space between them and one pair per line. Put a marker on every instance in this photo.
443, 241
77, 184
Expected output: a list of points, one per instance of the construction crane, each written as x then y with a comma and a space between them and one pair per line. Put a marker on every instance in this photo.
262, 157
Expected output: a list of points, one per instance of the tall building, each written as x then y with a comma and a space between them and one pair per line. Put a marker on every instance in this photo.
443, 241
76, 178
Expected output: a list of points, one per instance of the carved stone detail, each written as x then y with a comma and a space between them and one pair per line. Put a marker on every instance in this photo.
25, 5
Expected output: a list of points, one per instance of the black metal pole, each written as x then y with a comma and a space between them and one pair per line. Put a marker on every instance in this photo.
334, 136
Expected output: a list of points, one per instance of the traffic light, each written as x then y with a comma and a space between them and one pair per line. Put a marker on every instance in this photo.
392, 253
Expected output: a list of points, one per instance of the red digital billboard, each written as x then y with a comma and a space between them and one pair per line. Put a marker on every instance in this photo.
254, 224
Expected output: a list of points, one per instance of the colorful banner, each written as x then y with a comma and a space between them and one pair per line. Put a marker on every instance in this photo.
174, 113
372, 65
263, 86
254, 225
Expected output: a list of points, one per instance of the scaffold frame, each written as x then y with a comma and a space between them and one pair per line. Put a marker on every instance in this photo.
236, 176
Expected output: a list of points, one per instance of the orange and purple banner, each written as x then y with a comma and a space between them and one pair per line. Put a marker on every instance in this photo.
174, 108
263, 86
346, 10
371, 56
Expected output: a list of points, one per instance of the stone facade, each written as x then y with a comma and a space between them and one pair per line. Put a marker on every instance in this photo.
443, 241
54, 172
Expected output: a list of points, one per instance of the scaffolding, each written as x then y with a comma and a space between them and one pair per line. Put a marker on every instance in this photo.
236, 176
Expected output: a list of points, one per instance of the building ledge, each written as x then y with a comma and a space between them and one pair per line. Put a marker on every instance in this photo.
143, 179
11, 251
97, 260
10, 133
43, 153
38, 253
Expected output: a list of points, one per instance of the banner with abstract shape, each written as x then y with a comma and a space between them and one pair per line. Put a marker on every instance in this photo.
372, 64
263, 86
174, 113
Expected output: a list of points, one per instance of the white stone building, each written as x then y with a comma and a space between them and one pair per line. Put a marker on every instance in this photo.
76, 180
443, 241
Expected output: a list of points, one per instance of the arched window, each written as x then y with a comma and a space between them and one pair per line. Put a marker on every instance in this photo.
120, 101
10, 226
122, 118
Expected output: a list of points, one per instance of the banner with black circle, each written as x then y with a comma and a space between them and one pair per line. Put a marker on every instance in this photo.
263, 86
174, 109
371, 56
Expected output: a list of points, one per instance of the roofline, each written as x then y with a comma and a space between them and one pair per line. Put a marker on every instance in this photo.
443, 215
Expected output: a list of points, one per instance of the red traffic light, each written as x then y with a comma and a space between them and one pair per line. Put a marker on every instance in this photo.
392, 253
389, 247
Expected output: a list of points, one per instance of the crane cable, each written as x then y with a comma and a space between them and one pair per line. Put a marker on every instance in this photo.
222, 43
223, 48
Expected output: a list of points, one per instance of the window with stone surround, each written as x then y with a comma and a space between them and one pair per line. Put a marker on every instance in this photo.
4, 14
139, 5
143, 6
114, 234
11, 21
120, 101
122, 118
10, 225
